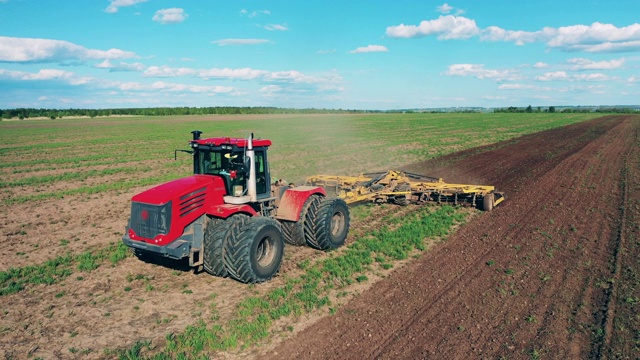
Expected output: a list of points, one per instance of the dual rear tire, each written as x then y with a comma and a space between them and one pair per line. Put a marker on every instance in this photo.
323, 224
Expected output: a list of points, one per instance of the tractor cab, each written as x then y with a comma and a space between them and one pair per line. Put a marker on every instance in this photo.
234, 160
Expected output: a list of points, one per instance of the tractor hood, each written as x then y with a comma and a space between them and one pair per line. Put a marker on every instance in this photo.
162, 194
159, 215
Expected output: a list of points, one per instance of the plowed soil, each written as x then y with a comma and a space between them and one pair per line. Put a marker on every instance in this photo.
538, 277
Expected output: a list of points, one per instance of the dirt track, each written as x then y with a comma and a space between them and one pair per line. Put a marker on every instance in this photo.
534, 278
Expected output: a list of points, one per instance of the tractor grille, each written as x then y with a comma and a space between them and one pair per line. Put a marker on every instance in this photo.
192, 201
150, 220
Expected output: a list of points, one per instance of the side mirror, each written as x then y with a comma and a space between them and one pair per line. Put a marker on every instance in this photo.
175, 153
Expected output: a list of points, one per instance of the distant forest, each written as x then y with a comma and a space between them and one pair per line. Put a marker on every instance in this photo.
26, 113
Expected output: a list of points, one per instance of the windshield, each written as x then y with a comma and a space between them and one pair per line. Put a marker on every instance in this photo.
219, 162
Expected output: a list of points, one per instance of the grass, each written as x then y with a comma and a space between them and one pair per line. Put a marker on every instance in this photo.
55, 270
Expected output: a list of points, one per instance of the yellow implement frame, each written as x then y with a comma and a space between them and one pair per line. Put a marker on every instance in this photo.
404, 188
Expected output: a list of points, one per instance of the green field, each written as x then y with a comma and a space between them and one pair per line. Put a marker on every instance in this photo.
100, 155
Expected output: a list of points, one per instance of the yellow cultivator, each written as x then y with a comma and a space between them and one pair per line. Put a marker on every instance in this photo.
405, 188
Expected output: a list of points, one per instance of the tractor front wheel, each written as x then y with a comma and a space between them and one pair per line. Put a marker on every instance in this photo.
255, 254
215, 238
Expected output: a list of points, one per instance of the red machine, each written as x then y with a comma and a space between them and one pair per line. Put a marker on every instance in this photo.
228, 217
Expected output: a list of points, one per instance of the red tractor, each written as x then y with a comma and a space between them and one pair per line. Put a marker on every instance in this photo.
228, 217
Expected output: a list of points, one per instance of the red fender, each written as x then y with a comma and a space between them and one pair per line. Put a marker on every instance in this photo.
226, 210
293, 199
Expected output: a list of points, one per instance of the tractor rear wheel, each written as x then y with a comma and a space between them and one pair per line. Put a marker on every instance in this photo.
331, 224
215, 237
297, 232
255, 254
487, 202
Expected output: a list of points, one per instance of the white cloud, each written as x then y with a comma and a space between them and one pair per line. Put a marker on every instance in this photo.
46, 50
597, 37
161, 85
321, 83
586, 64
121, 66
444, 8
494, 33
226, 42
173, 87
633, 79
232, 74
116, 4
270, 90
45, 75
591, 77
370, 48
253, 14
563, 76
166, 71
170, 16
129, 86
551, 76
332, 51
524, 87
446, 27
276, 27
478, 71
540, 65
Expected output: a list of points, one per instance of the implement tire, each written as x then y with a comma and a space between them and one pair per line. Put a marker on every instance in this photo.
294, 231
215, 237
487, 202
402, 200
255, 254
331, 224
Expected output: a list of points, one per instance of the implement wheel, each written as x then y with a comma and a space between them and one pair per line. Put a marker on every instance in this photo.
215, 238
331, 224
255, 254
402, 200
487, 202
297, 232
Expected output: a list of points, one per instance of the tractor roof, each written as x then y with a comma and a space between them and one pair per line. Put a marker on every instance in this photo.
241, 143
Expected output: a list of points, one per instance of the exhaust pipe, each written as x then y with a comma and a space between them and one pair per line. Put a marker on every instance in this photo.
196, 134
251, 183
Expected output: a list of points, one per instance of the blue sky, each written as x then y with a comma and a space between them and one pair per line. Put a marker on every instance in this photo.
323, 54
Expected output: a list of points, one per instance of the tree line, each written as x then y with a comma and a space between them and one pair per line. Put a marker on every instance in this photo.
26, 113
578, 109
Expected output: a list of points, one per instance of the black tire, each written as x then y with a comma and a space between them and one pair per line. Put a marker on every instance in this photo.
294, 231
255, 254
331, 224
215, 237
402, 200
487, 202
